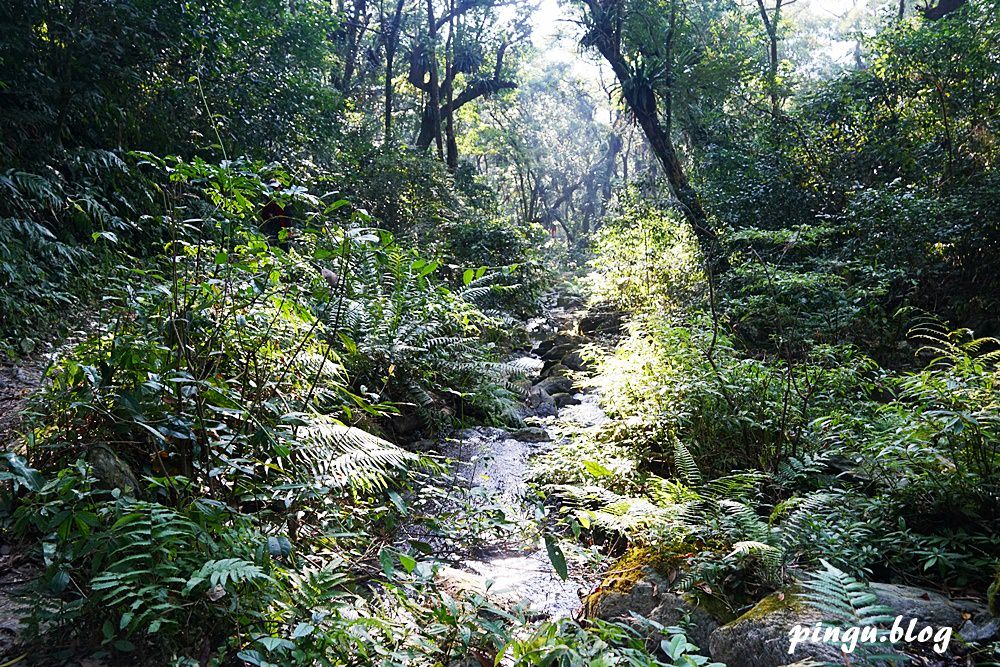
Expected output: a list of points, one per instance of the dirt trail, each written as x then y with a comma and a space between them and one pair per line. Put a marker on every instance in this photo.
18, 382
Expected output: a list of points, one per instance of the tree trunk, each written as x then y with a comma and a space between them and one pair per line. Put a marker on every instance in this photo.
432, 110
771, 28
391, 45
641, 99
450, 141
355, 31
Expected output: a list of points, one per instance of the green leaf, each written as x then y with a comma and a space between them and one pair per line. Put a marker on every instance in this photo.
385, 559
422, 547
275, 643
429, 268
408, 562
596, 469
278, 546
302, 630
557, 557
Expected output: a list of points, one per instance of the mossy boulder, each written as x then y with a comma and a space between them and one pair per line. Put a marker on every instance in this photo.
759, 638
639, 583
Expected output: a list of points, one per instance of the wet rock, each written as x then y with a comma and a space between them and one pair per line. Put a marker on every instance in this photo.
531, 434
993, 593
601, 322
461, 584
564, 341
563, 399
569, 301
575, 361
542, 348
556, 384
554, 367
539, 403
981, 629
759, 638
111, 471
558, 352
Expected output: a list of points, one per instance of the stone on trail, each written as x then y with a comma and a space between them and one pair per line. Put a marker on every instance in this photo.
556, 384
575, 362
540, 403
531, 434
563, 399
569, 301
601, 322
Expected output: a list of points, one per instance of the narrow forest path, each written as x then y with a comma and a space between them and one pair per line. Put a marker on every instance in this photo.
18, 381
494, 465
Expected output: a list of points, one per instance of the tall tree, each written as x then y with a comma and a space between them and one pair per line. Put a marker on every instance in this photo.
390, 26
638, 39
471, 28
771, 17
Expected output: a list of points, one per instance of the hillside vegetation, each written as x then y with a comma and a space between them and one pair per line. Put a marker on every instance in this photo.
269, 258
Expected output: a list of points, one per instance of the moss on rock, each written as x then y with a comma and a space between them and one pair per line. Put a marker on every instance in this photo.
637, 563
787, 600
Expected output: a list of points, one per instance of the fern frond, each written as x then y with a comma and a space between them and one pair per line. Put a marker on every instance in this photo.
339, 456
685, 464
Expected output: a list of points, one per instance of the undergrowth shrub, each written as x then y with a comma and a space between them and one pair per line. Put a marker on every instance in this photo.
646, 257
882, 474
687, 380
62, 225
408, 338
209, 453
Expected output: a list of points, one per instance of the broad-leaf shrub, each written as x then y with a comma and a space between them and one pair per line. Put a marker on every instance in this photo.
645, 257
209, 448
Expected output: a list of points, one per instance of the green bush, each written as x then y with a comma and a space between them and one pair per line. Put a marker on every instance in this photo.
646, 258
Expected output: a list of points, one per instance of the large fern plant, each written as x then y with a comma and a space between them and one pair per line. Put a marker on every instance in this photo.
410, 339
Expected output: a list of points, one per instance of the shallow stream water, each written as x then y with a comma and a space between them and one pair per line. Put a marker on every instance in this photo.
493, 463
